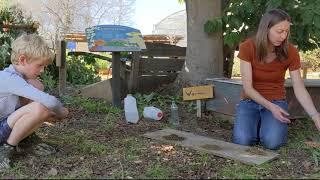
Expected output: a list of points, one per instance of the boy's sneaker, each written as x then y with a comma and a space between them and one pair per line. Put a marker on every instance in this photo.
6, 152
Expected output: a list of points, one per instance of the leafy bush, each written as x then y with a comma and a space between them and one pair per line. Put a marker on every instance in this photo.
102, 64
312, 58
81, 70
12, 15
48, 81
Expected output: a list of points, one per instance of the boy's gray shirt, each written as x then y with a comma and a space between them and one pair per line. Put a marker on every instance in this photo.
13, 85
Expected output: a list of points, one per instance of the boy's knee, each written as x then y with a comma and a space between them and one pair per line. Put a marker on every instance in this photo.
41, 111
36, 83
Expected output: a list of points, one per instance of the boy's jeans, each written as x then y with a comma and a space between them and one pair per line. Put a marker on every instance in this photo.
254, 123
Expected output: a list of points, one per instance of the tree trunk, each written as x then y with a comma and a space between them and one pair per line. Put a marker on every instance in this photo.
204, 56
228, 56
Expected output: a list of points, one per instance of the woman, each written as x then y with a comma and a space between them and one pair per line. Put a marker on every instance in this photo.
262, 112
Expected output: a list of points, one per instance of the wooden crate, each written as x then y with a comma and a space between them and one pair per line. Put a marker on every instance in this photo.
158, 64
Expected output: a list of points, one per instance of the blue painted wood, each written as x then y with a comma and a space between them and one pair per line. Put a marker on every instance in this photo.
114, 38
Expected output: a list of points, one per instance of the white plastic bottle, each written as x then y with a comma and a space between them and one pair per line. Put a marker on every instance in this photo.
130, 109
152, 113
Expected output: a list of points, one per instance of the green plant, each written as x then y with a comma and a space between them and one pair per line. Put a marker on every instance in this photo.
48, 81
110, 122
13, 15
239, 171
82, 142
91, 105
154, 99
81, 70
102, 64
121, 174
316, 156
131, 148
312, 58
158, 171
240, 20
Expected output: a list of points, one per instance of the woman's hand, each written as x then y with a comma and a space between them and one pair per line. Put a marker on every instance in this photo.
281, 114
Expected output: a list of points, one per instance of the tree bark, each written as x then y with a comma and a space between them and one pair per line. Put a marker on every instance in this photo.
228, 56
204, 57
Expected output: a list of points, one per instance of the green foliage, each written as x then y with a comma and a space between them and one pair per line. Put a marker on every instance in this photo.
48, 81
157, 171
102, 64
83, 143
91, 105
4, 3
132, 148
81, 70
241, 19
312, 58
214, 25
12, 15
316, 156
154, 99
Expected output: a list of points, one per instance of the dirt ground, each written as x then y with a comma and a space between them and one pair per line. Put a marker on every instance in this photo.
100, 144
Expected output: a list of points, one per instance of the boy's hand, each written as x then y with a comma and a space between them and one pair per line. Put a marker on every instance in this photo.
55, 116
64, 114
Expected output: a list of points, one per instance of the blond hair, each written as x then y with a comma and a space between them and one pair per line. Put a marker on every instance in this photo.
269, 19
33, 47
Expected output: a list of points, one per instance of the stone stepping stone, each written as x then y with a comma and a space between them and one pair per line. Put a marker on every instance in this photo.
245, 154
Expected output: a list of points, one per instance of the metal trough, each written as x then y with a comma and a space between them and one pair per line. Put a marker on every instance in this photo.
227, 95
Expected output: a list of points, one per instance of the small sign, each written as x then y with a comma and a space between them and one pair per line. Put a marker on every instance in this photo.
198, 92
114, 38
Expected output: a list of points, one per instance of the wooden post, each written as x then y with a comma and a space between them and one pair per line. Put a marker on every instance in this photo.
199, 108
61, 63
134, 74
115, 83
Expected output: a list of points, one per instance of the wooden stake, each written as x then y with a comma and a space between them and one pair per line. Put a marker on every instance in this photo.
199, 108
62, 67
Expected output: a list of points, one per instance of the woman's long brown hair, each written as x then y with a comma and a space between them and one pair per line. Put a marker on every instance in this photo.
268, 20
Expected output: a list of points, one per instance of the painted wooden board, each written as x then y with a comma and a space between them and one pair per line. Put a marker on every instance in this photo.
114, 38
245, 154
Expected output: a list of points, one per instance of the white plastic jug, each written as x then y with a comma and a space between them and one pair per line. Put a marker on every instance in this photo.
130, 109
152, 113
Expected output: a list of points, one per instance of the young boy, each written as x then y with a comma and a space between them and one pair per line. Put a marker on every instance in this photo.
23, 104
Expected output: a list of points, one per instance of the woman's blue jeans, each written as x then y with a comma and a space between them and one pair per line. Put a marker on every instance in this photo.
254, 123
